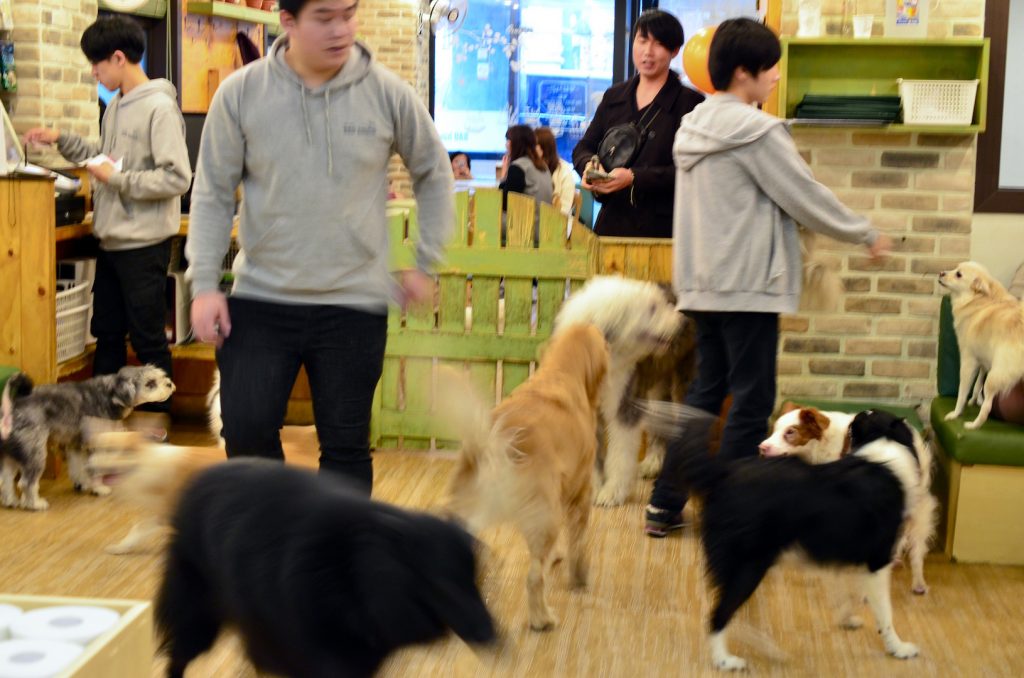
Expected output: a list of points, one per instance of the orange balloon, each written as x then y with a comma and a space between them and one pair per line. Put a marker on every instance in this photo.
695, 59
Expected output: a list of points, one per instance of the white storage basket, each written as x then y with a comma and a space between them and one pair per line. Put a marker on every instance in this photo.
938, 102
72, 328
72, 294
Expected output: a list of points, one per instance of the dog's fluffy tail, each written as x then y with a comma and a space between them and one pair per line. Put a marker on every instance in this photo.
213, 416
488, 446
822, 287
18, 385
686, 428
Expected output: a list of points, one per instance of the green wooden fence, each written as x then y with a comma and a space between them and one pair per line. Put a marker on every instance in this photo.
494, 305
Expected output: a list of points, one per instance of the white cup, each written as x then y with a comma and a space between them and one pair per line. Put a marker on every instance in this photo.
809, 25
862, 24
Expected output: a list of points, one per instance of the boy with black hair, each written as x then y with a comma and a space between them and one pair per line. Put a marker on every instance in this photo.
136, 206
308, 131
741, 189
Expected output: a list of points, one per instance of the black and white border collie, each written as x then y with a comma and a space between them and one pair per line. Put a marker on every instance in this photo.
848, 512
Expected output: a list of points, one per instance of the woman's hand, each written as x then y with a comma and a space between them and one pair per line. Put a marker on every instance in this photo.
621, 178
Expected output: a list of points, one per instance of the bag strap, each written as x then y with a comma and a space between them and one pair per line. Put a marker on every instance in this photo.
640, 123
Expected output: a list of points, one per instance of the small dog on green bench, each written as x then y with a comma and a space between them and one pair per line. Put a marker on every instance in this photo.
989, 324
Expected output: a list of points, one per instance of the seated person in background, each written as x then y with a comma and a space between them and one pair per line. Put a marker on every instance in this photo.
460, 165
563, 177
523, 167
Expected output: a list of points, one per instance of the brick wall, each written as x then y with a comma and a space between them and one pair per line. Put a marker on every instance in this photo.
55, 83
390, 29
919, 189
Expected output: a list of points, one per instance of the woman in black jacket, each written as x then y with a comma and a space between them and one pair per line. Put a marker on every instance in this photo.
637, 201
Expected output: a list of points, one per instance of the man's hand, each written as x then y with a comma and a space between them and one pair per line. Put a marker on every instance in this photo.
42, 136
101, 171
621, 178
881, 247
415, 287
210, 320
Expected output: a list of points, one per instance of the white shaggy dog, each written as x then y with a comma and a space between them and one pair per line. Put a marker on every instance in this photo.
638, 319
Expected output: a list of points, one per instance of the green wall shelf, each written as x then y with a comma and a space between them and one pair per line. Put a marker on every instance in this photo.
872, 66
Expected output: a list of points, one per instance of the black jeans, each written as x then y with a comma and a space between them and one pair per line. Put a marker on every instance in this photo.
342, 350
736, 353
129, 298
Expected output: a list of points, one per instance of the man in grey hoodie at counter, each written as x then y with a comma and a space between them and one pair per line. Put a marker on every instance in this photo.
308, 132
741, 188
136, 203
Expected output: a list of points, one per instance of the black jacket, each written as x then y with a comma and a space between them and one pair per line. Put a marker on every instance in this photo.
645, 209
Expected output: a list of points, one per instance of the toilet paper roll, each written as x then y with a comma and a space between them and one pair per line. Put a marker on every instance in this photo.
71, 623
8, 613
36, 658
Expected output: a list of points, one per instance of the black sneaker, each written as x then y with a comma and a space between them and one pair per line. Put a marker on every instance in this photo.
660, 522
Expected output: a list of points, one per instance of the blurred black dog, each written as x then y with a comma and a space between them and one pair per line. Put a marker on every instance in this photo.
318, 580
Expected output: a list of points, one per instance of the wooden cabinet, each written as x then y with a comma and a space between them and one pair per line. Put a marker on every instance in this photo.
28, 276
873, 66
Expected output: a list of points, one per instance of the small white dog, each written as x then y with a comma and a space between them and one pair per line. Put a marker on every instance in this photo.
638, 319
989, 324
822, 437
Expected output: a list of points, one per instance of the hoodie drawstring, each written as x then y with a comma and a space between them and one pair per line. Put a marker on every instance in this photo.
305, 116
327, 126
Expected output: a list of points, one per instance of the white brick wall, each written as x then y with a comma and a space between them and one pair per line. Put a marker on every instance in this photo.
55, 83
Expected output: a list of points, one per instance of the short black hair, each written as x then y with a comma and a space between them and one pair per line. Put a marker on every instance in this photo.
108, 35
454, 154
293, 7
741, 43
660, 25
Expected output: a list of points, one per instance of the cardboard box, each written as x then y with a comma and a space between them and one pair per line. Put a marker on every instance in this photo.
125, 650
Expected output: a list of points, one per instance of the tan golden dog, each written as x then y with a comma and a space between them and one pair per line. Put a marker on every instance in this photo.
989, 324
151, 476
530, 460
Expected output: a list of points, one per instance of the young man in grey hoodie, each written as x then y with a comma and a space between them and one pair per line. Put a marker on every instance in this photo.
136, 203
741, 189
308, 132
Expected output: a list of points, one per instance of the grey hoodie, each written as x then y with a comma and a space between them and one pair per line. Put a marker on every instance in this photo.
140, 204
741, 187
313, 168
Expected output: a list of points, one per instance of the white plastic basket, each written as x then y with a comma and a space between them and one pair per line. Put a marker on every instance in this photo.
72, 294
72, 328
938, 102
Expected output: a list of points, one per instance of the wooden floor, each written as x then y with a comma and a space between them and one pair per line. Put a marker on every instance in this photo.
643, 614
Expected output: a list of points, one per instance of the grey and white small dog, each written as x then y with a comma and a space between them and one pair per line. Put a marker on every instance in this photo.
56, 413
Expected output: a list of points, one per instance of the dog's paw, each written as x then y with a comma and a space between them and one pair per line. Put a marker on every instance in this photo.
920, 588
973, 425
903, 650
650, 467
542, 622
38, 505
99, 490
610, 495
120, 548
851, 622
951, 416
730, 662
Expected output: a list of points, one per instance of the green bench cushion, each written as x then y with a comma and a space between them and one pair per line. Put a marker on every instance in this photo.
5, 373
853, 406
996, 442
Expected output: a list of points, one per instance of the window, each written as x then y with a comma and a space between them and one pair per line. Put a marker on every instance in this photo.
535, 62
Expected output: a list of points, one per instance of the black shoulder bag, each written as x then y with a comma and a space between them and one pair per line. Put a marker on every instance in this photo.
622, 143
